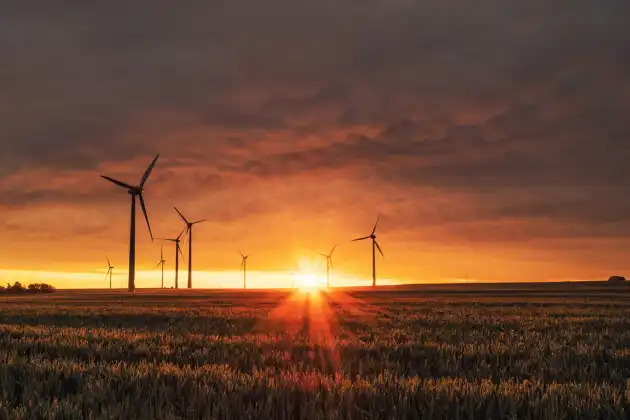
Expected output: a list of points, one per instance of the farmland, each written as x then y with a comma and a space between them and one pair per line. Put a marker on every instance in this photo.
466, 351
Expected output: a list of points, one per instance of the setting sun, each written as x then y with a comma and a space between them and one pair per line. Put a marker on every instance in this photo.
306, 278
306, 281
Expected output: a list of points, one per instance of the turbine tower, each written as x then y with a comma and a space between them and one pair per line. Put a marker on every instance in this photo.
189, 226
244, 268
161, 263
329, 265
135, 191
178, 251
110, 269
375, 245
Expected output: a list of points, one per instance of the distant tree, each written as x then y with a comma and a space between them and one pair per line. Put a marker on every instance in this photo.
16, 288
617, 279
47, 288
41, 288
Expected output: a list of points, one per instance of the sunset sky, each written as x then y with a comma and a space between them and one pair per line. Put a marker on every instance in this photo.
492, 137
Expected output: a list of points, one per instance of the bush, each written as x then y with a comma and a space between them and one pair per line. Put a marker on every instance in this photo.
41, 288
17, 288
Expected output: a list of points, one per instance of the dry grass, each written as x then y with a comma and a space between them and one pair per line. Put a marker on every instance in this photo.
512, 352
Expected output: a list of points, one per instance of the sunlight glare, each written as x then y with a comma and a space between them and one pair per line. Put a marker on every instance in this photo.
305, 278
306, 282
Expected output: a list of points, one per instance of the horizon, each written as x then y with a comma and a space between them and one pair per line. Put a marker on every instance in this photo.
233, 280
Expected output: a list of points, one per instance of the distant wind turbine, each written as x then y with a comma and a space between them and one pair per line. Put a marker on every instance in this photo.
135, 191
244, 268
178, 251
329, 265
375, 245
109, 272
161, 263
189, 226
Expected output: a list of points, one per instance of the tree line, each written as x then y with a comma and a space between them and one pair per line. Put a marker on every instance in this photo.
17, 288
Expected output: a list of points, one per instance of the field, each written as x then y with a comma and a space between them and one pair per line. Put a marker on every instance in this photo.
467, 351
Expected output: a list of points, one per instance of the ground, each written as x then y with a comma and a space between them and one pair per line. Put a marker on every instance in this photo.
466, 351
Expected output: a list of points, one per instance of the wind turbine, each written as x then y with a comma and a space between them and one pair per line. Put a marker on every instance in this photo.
135, 191
189, 226
109, 272
244, 268
161, 263
375, 245
178, 251
329, 265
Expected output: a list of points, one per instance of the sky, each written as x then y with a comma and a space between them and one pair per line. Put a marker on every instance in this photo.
492, 137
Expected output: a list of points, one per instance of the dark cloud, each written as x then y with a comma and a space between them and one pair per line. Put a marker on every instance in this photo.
524, 104
78, 77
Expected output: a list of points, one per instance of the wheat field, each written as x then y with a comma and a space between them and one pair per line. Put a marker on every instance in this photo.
553, 351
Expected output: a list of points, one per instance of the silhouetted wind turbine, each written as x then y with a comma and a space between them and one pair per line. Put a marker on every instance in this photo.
244, 268
374, 246
178, 251
189, 226
161, 263
109, 273
135, 191
329, 265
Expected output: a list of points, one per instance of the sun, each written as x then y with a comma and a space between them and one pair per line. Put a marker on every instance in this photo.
305, 278
306, 282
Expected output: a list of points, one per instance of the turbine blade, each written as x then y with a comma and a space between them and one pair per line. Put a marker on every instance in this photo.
247, 256
199, 221
333, 250
180, 215
158, 264
379, 248
330, 261
161, 252
361, 239
148, 171
376, 224
181, 253
109, 264
146, 216
242, 256
119, 183
323, 255
182, 232
242, 264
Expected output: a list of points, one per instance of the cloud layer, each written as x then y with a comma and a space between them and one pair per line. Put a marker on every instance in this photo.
483, 129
